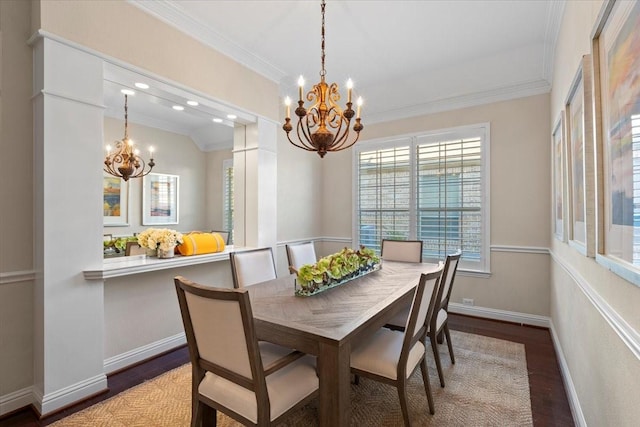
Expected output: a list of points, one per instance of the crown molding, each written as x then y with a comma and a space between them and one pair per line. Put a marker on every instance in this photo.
170, 12
552, 30
530, 88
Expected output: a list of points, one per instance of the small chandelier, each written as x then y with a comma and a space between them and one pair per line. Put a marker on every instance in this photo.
324, 126
125, 161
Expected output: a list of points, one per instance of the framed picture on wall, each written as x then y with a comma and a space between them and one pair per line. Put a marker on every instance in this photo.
616, 52
558, 204
579, 134
115, 198
160, 197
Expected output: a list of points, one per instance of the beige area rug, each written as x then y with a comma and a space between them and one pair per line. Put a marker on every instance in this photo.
488, 386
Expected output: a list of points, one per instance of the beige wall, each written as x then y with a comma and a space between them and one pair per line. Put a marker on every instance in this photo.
174, 154
520, 170
602, 367
16, 215
121, 30
300, 188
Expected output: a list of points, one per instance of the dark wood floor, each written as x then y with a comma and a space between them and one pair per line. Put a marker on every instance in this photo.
549, 402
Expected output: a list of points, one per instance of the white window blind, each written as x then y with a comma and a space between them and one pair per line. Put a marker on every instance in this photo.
384, 194
449, 198
430, 187
227, 197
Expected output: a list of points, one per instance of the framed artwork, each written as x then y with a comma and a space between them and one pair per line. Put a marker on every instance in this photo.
616, 51
579, 134
160, 199
115, 198
557, 141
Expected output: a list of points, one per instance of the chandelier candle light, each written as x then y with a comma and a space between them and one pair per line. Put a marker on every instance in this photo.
125, 162
316, 126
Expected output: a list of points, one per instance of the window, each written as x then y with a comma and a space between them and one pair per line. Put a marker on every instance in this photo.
227, 197
430, 187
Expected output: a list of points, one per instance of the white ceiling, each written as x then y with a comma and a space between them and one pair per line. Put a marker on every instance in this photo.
405, 57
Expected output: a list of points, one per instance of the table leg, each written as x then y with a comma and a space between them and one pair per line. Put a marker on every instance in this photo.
335, 388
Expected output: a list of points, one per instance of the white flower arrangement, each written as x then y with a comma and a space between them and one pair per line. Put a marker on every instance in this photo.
159, 238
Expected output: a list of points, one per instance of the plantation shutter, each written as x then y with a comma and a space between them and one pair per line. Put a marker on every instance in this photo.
450, 195
227, 197
384, 194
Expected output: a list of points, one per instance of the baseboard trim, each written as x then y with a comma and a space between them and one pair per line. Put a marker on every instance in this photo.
52, 402
574, 401
16, 400
121, 361
503, 315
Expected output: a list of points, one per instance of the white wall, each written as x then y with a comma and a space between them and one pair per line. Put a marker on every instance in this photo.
174, 154
592, 309
520, 207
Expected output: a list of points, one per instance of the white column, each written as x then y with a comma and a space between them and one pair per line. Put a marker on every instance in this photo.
255, 184
68, 140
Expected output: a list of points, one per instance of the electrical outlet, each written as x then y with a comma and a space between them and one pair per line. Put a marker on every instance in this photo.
467, 301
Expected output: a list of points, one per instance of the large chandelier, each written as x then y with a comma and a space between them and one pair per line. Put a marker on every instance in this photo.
125, 161
324, 126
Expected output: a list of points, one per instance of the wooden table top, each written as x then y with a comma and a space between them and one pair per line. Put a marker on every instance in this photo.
338, 313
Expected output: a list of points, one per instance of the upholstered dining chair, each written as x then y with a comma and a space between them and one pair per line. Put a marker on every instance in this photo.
231, 372
401, 250
299, 254
224, 234
252, 266
392, 356
133, 248
439, 322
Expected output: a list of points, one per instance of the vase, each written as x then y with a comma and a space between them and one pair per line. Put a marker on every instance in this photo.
169, 253
152, 252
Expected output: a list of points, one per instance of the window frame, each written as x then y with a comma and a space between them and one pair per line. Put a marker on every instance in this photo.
482, 130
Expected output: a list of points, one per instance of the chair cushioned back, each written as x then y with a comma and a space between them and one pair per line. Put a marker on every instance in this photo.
254, 267
427, 304
453, 266
219, 332
299, 255
401, 250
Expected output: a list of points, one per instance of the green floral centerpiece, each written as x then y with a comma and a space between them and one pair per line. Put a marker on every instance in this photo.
164, 240
334, 270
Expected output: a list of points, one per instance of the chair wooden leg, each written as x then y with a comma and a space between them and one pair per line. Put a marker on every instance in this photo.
440, 338
402, 395
196, 412
436, 356
209, 416
448, 335
427, 384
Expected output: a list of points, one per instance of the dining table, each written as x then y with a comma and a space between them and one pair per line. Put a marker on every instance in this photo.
329, 324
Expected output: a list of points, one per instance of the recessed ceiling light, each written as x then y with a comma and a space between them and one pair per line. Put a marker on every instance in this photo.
128, 91
142, 85
193, 103
231, 116
217, 120
178, 107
